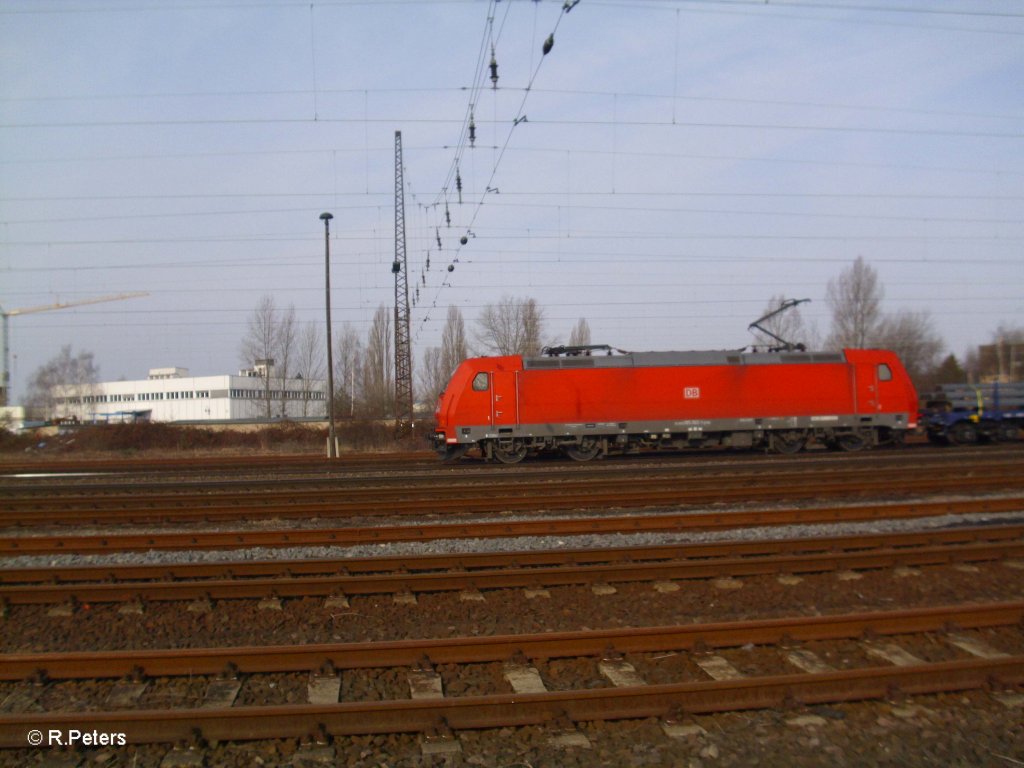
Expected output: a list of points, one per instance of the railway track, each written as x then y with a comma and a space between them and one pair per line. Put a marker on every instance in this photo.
510, 494
318, 464
302, 472
20, 543
536, 570
452, 682
623, 657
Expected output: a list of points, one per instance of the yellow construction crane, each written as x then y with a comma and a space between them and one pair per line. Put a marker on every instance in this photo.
5, 372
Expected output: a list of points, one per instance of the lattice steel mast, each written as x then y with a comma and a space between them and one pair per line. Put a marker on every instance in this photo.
400, 267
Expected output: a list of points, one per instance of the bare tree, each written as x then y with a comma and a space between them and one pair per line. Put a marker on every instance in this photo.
912, 336
533, 327
433, 375
287, 336
348, 371
439, 363
64, 385
309, 361
855, 298
580, 336
379, 365
858, 322
260, 344
511, 327
454, 348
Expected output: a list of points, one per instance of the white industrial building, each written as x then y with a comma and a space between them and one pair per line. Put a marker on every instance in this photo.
170, 394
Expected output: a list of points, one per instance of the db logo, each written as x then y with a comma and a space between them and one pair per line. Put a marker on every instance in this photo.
692, 393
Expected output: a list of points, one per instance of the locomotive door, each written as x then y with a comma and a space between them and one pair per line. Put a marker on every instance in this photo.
504, 398
867, 389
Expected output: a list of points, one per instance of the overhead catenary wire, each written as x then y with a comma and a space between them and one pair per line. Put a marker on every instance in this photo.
489, 187
545, 206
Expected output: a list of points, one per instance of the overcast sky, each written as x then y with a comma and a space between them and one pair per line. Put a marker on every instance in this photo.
663, 171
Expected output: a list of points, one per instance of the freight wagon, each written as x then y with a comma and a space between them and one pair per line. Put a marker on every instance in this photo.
588, 402
969, 413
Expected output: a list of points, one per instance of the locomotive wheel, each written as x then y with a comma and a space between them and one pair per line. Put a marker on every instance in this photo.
964, 433
788, 442
585, 451
851, 442
511, 452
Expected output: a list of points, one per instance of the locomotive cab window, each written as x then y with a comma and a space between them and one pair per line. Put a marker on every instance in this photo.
884, 372
480, 382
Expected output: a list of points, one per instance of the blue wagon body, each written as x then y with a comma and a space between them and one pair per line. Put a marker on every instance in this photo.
969, 413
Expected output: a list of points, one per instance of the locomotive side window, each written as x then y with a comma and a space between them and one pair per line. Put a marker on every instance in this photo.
480, 382
884, 372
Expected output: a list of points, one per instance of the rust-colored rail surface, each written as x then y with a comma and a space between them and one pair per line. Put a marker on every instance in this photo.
992, 544
168, 726
518, 709
490, 493
467, 650
18, 544
474, 561
261, 476
195, 463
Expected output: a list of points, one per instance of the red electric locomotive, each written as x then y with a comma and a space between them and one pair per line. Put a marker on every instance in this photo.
589, 403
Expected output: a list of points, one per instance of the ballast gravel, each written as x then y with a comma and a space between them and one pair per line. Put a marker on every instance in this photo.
503, 544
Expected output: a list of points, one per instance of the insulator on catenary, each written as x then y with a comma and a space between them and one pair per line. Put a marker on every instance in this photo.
472, 130
463, 239
458, 184
437, 233
428, 259
447, 216
548, 44
494, 69
451, 267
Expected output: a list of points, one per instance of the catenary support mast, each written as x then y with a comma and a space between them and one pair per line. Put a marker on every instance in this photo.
400, 267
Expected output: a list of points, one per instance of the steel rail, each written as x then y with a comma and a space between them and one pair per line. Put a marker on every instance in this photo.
492, 711
70, 487
547, 496
240, 569
506, 710
670, 522
430, 486
89, 665
217, 461
505, 578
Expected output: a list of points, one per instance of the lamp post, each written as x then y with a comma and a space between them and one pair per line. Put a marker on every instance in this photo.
332, 447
